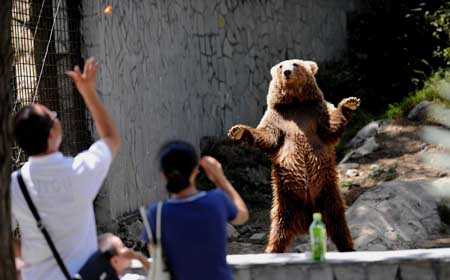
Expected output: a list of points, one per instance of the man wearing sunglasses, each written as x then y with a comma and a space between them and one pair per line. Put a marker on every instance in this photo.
62, 188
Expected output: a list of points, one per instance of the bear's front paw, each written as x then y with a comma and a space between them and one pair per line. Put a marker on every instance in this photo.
236, 132
351, 103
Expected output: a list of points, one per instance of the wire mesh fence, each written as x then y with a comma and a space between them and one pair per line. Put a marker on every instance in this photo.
46, 43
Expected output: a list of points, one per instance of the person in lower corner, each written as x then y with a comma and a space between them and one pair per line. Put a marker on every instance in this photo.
118, 259
193, 222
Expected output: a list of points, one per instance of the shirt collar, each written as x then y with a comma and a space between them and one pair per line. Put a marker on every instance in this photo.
45, 159
187, 199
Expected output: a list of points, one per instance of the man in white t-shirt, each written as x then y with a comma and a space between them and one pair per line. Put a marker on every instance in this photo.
62, 188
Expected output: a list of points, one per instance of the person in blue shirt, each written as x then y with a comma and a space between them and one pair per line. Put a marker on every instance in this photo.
194, 222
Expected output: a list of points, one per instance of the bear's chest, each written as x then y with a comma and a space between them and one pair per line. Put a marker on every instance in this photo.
299, 125
300, 128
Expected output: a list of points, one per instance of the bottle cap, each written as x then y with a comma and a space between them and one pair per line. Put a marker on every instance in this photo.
317, 216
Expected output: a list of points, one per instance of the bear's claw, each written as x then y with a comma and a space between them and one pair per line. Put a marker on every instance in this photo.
351, 103
236, 132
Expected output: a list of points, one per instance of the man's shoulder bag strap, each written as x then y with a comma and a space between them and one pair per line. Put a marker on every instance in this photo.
41, 226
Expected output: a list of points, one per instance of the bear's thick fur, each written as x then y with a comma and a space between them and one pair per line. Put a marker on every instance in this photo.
298, 131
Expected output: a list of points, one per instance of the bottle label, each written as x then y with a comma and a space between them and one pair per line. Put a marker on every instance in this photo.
318, 243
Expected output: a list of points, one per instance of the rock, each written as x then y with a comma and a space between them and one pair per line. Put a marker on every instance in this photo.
232, 232
377, 247
374, 167
352, 173
369, 146
419, 113
346, 166
245, 229
258, 237
306, 246
302, 248
135, 230
370, 130
394, 215
352, 194
375, 170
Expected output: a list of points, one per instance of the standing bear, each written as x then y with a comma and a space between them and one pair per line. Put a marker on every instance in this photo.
299, 131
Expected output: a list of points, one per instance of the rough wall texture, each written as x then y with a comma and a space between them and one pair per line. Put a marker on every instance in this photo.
186, 69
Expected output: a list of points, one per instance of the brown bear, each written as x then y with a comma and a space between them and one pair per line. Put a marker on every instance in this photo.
298, 131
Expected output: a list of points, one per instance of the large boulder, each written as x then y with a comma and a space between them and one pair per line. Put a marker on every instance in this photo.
369, 146
419, 112
368, 131
395, 215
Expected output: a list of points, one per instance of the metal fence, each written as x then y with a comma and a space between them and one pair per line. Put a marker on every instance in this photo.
46, 43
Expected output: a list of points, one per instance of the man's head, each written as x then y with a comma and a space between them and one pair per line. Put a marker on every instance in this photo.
37, 130
114, 246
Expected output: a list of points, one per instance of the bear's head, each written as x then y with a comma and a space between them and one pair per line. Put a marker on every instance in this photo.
293, 81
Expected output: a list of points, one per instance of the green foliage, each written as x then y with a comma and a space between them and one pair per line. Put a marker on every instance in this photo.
392, 52
346, 184
437, 23
440, 21
431, 92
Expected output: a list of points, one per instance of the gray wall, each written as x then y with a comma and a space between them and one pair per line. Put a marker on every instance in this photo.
186, 69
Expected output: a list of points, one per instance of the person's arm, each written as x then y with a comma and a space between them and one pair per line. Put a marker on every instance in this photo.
85, 83
16, 247
18, 257
214, 171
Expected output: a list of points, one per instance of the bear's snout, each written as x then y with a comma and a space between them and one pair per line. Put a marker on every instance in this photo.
287, 73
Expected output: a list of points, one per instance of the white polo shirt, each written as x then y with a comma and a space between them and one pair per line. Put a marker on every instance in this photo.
63, 190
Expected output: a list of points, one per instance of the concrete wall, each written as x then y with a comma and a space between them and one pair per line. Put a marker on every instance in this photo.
432, 264
190, 68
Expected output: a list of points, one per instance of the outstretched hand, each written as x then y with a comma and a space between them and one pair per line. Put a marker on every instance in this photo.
85, 82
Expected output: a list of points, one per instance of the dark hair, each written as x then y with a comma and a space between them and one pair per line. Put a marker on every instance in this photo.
31, 130
177, 160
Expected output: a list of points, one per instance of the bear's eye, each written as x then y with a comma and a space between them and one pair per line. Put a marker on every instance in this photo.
295, 65
281, 66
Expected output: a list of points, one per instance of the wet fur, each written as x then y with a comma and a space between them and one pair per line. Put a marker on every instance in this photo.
299, 132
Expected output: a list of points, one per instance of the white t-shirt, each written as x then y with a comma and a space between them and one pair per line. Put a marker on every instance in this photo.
63, 190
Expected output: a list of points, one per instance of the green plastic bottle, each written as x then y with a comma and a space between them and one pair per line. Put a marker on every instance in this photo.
318, 235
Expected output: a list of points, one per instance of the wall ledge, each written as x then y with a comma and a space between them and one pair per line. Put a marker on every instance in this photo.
424, 264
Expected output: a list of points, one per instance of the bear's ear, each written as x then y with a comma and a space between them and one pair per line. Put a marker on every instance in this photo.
312, 66
273, 70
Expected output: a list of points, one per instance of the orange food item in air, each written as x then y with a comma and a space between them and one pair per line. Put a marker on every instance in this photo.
108, 9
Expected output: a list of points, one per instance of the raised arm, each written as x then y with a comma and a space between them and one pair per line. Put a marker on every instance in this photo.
266, 136
214, 171
85, 83
332, 123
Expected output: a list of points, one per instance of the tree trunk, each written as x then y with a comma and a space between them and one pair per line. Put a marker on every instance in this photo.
7, 268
